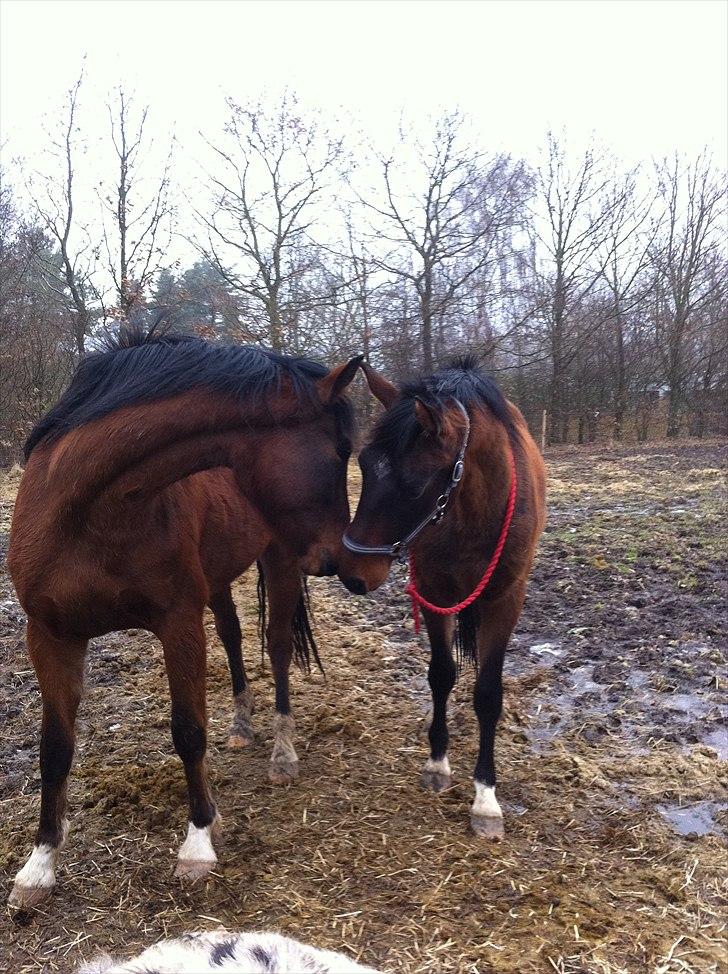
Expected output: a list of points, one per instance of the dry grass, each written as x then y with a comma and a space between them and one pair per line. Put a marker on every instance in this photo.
355, 856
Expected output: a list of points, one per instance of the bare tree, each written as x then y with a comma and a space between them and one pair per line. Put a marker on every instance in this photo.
276, 170
138, 213
441, 234
623, 258
54, 197
570, 226
693, 199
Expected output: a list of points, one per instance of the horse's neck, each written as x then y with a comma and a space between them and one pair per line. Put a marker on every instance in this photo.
139, 450
474, 519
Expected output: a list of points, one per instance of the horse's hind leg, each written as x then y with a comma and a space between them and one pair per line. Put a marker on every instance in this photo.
228, 629
59, 666
183, 642
283, 582
441, 676
498, 621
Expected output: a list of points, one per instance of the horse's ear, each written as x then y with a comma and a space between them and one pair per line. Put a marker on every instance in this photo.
333, 384
427, 417
382, 389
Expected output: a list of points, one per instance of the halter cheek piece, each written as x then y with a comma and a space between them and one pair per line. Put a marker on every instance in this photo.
399, 548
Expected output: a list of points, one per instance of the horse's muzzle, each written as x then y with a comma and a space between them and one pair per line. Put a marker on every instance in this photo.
320, 562
327, 566
357, 586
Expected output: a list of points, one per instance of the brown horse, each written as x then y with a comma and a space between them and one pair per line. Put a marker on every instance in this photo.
437, 479
121, 521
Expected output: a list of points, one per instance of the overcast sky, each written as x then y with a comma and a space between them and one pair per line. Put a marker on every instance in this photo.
645, 77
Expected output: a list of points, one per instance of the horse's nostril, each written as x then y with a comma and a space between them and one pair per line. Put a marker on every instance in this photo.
355, 585
328, 566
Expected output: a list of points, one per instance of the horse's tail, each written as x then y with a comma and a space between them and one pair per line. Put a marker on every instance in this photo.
262, 610
304, 641
466, 631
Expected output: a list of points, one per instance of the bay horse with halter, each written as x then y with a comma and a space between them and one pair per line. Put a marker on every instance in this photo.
167, 468
452, 479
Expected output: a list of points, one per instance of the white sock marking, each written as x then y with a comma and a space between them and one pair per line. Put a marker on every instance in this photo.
441, 766
486, 804
40, 869
197, 847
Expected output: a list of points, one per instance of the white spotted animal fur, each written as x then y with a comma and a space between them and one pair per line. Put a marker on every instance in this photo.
229, 953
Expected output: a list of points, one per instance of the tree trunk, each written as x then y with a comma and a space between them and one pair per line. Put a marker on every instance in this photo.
428, 363
620, 384
276, 324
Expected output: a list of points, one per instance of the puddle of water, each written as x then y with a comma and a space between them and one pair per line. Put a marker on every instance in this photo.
581, 679
688, 703
637, 679
697, 819
546, 649
718, 740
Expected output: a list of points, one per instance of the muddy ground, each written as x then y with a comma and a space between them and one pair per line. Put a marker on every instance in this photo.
612, 756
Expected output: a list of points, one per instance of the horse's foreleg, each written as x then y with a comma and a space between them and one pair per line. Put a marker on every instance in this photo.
494, 631
441, 676
228, 629
183, 642
59, 667
283, 581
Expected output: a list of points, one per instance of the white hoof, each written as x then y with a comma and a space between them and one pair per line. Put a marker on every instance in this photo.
436, 775
487, 828
190, 870
196, 857
35, 881
28, 897
486, 815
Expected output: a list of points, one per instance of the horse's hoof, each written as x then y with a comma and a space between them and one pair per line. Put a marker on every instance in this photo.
435, 781
190, 870
239, 740
28, 897
283, 772
488, 827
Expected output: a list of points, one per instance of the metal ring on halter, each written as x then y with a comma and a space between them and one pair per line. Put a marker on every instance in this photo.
441, 502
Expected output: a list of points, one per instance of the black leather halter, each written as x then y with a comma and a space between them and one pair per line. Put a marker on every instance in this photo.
399, 548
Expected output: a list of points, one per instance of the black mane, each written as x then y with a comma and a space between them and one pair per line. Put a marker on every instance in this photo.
140, 366
462, 379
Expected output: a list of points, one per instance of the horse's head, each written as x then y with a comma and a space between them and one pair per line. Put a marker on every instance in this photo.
300, 478
406, 468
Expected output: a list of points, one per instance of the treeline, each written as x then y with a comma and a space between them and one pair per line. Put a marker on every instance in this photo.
595, 293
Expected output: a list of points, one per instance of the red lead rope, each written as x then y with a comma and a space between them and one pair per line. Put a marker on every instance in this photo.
419, 600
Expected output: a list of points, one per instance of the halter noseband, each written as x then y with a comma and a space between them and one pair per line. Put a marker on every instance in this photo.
399, 548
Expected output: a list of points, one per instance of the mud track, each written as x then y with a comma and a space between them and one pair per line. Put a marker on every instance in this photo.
612, 757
